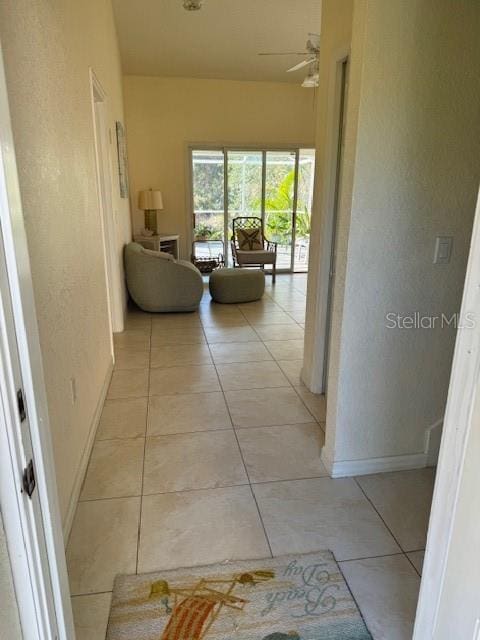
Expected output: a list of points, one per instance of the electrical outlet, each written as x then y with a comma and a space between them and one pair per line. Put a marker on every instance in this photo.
73, 390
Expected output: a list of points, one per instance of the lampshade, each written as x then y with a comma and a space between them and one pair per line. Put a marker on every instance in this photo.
150, 199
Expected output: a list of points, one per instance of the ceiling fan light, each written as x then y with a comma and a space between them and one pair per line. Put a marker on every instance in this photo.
311, 81
192, 5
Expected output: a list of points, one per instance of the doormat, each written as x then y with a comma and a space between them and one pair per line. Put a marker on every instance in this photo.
294, 597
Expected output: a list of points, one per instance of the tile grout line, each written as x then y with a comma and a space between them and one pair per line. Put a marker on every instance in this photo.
235, 430
93, 593
408, 558
244, 464
144, 451
354, 478
314, 419
189, 393
214, 488
183, 433
381, 555
259, 511
289, 381
404, 553
174, 433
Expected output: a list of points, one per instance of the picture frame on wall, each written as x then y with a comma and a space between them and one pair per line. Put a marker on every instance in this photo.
122, 159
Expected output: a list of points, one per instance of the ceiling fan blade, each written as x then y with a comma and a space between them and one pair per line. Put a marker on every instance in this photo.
300, 65
284, 53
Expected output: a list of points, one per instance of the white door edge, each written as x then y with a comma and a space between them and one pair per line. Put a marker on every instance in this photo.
456, 430
113, 279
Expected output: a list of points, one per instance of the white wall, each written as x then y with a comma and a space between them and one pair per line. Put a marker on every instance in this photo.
163, 115
49, 46
9, 619
412, 170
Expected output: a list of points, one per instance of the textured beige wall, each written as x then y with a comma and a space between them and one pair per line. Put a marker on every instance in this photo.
48, 47
413, 122
9, 619
164, 114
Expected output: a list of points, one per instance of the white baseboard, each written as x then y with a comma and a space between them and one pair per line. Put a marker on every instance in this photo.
346, 468
433, 436
82, 467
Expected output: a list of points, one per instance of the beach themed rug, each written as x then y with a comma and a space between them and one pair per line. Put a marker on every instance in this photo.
295, 597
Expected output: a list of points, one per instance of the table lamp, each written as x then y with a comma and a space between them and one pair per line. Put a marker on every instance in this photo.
150, 200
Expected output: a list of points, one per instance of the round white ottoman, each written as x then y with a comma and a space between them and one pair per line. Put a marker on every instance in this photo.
230, 286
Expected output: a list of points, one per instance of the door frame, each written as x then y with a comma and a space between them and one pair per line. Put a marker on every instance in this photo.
341, 110
41, 584
225, 148
457, 425
319, 289
102, 142
294, 208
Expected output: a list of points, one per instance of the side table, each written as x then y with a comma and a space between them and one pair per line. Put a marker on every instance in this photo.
166, 243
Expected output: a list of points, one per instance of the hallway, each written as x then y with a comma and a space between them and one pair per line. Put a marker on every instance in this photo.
208, 449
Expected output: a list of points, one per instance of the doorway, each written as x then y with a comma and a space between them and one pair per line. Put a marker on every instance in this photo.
342, 95
104, 185
322, 268
273, 184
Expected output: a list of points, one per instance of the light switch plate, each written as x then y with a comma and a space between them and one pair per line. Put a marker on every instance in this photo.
73, 390
443, 249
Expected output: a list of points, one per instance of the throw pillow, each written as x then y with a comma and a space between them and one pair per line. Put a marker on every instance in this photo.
250, 239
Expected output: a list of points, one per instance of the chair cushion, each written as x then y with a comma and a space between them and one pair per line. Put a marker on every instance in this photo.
250, 239
255, 257
231, 286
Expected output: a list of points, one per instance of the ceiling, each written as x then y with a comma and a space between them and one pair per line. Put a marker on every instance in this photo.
222, 40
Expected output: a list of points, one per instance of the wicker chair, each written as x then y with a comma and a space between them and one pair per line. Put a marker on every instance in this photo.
250, 248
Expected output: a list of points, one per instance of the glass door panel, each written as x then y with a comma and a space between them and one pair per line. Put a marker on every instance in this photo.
244, 188
279, 203
228, 183
306, 176
208, 203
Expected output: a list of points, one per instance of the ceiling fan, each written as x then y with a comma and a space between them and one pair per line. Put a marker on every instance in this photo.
311, 55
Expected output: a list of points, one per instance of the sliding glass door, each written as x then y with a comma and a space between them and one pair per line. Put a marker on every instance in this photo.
303, 213
274, 185
280, 188
208, 203
244, 188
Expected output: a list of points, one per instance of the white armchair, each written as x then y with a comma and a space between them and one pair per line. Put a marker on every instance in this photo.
159, 283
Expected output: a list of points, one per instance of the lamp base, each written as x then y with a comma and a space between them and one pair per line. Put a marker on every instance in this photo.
151, 220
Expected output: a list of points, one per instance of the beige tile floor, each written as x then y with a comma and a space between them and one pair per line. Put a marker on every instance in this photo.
208, 448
